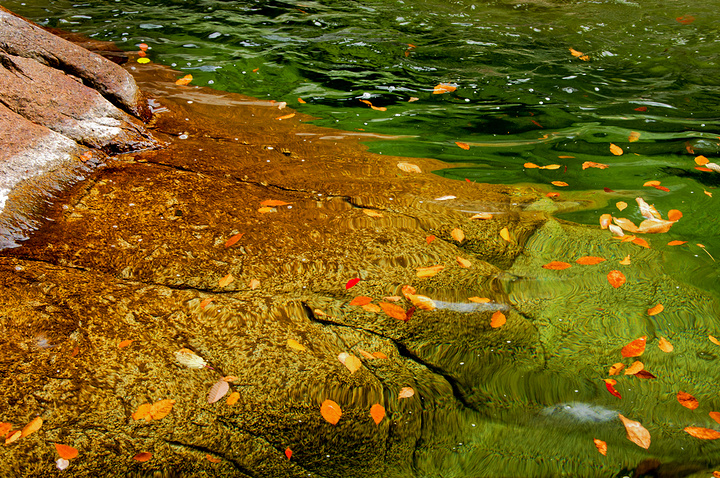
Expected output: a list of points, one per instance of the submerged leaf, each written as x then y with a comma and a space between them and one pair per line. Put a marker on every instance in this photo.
429, 271
189, 358
458, 234
626, 261
143, 456
66, 451
621, 205
234, 239
634, 136
636, 433
590, 164
331, 411
160, 409
233, 398
225, 281
394, 311
462, 145
664, 345
351, 282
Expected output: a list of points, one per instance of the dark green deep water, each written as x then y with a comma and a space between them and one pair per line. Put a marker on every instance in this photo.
521, 96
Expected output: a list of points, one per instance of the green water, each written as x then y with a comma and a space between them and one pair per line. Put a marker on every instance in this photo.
521, 97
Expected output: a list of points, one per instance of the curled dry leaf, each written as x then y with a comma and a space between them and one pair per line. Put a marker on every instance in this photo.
31, 427
463, 262
66, 451
636, 433
233, 240
601, 446
189, 358
406, 392
616, 278
458, 234
655, 310
497, 320
634, 348
556, 265
429, 271
687, 400
377, 412
443, 88
665, 346
590, 164
505, 234
331, 411
616, 368
616, 150
394, 311
462, 145
226, 280
589, 260
233, 398
143, 456
702, 433
409, 167
218, 391
634, 368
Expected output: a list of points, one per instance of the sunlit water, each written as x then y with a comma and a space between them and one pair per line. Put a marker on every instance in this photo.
521, 97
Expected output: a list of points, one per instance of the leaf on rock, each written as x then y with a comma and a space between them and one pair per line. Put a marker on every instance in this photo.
394, 311
601, 446
225, 281
616, 278
616, 150
556, 265
634, 348
687, 400
655, 310
665, 345
634, 136
702, 433
590, 164
185, 80
361, 300
610, 385
66, 451
559, 183
409, 167
429, 271
218, 391
505, 234
462, 145
330, 411
143, 456
457, 234
589, 260
463, 262
443, 88
31, 427
616, 368
636, 433
497, 320
351, 282
634, 368
406, 392
377, 412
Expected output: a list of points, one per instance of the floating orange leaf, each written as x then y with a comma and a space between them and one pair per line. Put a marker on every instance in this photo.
185, 80
674, 215
559, 183
714, 340
379, 355
553, 195
4, 428
406, 392
205, 302
621, 205
576, 53
655, 310
505, 234
634, 348
463, 262
616, 368
212, 459
301, 101
497, 320
479, 300
702, 433
429, 271
687, 400
714, 415
616, 278
626, 261
377, 412
610, 385
443, 88
636, 433
605, 221
12, 436
429, 239
463, 145
556, 265
31, 427
234, 239
665, 345
226, 280
160, 409
233, 398
409, 167
589, 260
652, 183
616, 150
394, 311
66, 451
530, 166
634, 368
634, 136
288, 453
641, 242
330, 411
601, 446
590, 164
676, 243
701, 160
284, 117
458, 234
143, 456
124, 343
361, 300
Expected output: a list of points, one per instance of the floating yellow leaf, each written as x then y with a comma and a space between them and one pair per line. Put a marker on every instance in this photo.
652, 183
621, 205
429, 271
226, 280
551, 166
406, 392
655, 310
463, 262
530, 166
590, 164
636, 433
372, 213
616, 150
497, 320
625, 224
330, 411
185, 80
233, 398
701, 160
634, 136
12, 436
559, 183
457, 234
575, 53
708, 193
601, 446
409, 167
443, 88
143, 60
294, 344
505, 234
462, 145
350, 361
664, 345
377, 412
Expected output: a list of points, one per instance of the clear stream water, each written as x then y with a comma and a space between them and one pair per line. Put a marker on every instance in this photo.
652, 68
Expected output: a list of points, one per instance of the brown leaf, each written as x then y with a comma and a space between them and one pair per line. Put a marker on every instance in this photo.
655, 310
31, 427
394, 311
234, 239
590, 164
644, 374
406, 392
218, 391
665, 346
409, 167
634, 348
616, 278
687, 400
226, 280
429, 271
634, 368
556, 265
636, 433
463, 262
66, 451
377, 412
601, 446
330, 411
616, 150
457, 234
497, 320
589, 260
142, 456
702, 433
360, 300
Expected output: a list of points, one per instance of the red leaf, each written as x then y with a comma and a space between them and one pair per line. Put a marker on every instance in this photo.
288, 452
662, 188
409, 313
351, 283
685, 19
609, 385
641, 108
608, 190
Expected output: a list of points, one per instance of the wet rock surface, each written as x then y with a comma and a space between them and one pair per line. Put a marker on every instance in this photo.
140, 252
